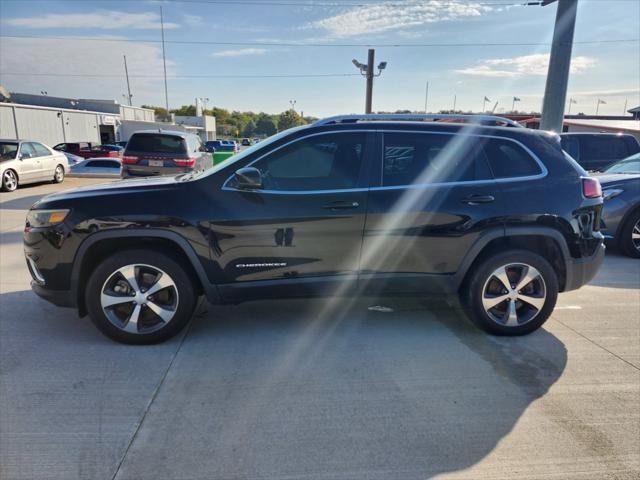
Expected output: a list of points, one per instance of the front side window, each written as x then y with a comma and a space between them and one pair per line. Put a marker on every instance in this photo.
423, 158
321, 162
26, 150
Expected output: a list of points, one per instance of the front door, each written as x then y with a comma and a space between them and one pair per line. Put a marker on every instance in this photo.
30, 165
304, 227
432, 197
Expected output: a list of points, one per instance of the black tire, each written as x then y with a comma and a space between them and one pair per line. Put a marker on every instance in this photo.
625, 242
183, 291
7, 185
481, 278
58, 174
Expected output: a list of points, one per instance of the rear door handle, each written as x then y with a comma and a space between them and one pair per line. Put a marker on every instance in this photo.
478, 199
339, 205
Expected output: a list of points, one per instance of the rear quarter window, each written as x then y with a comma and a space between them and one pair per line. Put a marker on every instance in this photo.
507, 159
156, 143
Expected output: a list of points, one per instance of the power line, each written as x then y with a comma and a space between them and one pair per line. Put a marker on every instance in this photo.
100, 75
321, 45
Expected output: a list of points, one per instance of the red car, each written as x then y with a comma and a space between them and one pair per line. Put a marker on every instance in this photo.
88, 150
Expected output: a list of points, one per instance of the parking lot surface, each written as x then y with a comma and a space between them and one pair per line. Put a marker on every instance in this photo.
319, 389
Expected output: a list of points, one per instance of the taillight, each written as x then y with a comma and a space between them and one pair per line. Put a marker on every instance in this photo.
185, 162
591, 187
130, 159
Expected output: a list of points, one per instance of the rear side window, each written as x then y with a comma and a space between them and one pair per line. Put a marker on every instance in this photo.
508, 159
321, 162
603, 148
421, 158
8, 150
40, 149
156, 143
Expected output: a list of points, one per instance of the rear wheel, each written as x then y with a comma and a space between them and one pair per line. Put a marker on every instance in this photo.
58, 175
630, 236
140, 297
511, 293
9, 181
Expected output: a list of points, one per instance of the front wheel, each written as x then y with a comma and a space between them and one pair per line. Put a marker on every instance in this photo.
511, 293
140, 297
9, 181
630, 236
58, 174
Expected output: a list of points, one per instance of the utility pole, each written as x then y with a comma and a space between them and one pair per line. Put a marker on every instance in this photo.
126, 72
426, 98
555, 92
367, 71
164, 64
455, 97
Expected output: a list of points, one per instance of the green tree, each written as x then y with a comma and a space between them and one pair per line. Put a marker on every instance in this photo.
185, 111
249, 129
160, 112
289, 119
265, 125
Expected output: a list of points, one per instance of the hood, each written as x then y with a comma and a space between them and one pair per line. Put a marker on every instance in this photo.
135, 185
617, 178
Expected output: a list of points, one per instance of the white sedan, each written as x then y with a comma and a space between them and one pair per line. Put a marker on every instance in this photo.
25, 161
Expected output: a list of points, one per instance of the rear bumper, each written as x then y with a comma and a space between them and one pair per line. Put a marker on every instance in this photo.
60, 298
133, 171
581, 271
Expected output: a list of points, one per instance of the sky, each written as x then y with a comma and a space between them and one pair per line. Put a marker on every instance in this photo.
260, 55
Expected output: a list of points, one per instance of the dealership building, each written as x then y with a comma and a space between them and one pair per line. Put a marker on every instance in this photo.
53, 120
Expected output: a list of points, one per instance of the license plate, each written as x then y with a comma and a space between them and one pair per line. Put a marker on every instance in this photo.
156, 163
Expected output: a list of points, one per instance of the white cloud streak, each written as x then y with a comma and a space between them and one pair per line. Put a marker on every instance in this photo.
381, 18
525, 65
100, 19
241, 52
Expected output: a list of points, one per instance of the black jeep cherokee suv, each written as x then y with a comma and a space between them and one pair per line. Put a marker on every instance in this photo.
367, 204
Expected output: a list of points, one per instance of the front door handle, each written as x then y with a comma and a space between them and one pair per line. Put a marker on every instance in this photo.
478, 199
339, 205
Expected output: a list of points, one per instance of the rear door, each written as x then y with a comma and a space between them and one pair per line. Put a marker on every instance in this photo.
432, 196
48, 162
304, 228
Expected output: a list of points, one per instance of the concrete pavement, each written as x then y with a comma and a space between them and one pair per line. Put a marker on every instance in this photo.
324, 389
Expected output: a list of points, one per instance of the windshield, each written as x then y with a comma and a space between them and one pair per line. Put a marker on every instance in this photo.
628, 165
8, 150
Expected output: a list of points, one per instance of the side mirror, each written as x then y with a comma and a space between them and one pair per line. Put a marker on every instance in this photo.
248, 178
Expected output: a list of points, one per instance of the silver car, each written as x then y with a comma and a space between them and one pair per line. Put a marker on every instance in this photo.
99, 167
25, 161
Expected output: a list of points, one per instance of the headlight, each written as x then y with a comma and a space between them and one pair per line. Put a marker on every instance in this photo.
610, 193
45, 218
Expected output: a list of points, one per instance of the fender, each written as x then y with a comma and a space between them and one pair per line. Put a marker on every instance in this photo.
507, 232
211, 291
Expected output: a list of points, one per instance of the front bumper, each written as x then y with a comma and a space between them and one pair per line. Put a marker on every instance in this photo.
581, 271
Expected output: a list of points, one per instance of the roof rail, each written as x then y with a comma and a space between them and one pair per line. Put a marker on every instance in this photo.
419, 117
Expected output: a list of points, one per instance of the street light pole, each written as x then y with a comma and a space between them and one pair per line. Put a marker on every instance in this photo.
555, 92
426, 98
369, 99
126, 73
164, 64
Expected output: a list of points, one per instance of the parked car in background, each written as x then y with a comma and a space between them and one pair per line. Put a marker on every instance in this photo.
246, 142
73, 159
596, 151
164, 152
221, 145
111, 147
24, 161
621, 211
87, 150
123, 144
100, 167
349, 204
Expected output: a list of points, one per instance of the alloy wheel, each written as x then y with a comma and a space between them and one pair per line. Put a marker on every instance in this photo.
10, 180
139, 298
59, 175
635, 236
514, 294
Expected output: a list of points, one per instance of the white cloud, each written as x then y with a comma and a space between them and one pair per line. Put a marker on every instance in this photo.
193, 20
45, 56
102, 19
239, 52
535, 64
380, 18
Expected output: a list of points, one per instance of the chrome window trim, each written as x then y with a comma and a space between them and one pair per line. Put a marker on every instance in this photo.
543, 169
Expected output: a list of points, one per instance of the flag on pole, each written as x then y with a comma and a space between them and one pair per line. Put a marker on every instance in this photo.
516, 99
486, 99
571, 100
602, 101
